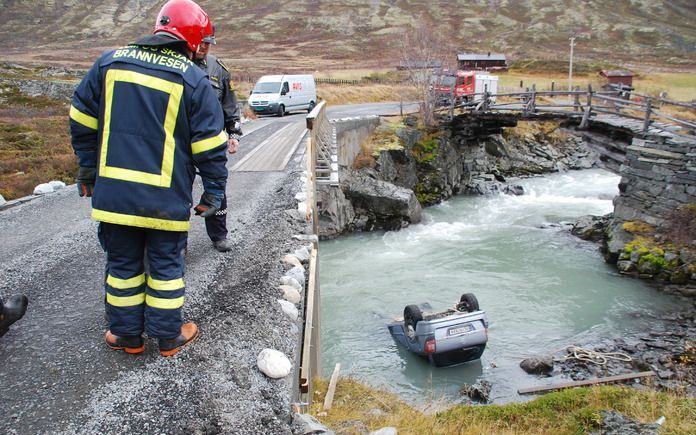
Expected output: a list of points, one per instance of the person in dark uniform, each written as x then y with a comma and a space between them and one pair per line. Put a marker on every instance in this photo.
143, 120
11, 310
219, 76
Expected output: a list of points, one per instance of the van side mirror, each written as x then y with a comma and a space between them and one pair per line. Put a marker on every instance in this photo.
283, 92
251, 92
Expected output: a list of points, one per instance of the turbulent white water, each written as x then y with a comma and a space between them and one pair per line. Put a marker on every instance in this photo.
542, 288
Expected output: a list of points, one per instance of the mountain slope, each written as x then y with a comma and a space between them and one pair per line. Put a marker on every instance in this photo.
302, 33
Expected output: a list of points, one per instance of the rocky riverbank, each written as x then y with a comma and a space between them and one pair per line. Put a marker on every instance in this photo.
432, 166
388, 187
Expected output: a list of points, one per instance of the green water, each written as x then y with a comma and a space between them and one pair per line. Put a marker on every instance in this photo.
542, 288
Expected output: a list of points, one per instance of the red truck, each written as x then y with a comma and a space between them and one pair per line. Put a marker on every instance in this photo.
467, 86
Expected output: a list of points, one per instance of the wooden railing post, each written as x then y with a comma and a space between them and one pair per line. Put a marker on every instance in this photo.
648, 111
576, 104
531, 106
588, 109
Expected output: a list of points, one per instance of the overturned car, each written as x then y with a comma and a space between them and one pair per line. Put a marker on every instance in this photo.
450, 337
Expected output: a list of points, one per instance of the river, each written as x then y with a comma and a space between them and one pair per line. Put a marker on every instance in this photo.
542, 288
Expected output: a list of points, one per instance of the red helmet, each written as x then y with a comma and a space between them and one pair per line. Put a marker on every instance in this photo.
185, 20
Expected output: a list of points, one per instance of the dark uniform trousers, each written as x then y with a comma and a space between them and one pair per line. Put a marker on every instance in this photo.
132, 296
216, 225
219, 75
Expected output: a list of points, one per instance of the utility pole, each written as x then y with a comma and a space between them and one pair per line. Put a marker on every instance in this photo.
570, 67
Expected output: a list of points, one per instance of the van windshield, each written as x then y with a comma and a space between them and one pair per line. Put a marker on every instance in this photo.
266, 88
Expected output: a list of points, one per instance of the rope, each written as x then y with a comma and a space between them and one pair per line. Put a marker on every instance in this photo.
591, 356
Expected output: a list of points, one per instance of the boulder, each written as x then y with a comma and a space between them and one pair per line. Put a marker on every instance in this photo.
387, 206
615, 240
538, 366
289, 309
43, 189
614, 423
273, 363
56, 185
591, 227
305, 424
478, 392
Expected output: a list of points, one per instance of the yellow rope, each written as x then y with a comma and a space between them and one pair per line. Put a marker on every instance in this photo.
591, 356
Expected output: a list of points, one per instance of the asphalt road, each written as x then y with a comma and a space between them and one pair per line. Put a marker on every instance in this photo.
56, 374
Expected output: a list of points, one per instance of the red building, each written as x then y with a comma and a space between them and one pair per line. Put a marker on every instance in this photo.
617, 76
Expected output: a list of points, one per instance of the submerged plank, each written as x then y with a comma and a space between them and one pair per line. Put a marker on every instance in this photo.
617, 378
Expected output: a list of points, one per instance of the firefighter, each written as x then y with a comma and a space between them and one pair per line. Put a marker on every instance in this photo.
11, 310
142, 121
219, 76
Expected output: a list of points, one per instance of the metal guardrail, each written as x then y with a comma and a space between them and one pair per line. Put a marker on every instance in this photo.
609, 102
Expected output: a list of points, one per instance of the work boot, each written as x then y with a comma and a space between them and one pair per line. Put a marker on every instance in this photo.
222, 245
13, 309
132, 345
170, 346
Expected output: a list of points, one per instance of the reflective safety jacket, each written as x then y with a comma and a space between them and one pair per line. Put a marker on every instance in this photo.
146, 117
220, 80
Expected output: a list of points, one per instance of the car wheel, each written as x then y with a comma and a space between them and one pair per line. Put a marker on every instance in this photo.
468, 303
311, 107
281, 110
412, 315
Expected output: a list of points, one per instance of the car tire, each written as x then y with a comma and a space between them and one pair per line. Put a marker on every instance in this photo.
281, 111
468, 303
412, 315
311, 107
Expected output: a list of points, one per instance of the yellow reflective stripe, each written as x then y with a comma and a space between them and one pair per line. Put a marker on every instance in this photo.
208, 144
175, 91
123, 284
83, 118
125, 301
172, 284
139, 221
165, 304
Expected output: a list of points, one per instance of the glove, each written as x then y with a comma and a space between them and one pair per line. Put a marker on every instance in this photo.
208, 205
85, 181
235, 129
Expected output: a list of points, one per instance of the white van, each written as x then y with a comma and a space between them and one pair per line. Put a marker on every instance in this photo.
280, 94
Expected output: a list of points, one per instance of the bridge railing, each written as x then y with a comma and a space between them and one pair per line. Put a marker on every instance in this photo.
319, 156
613, 102
325, 161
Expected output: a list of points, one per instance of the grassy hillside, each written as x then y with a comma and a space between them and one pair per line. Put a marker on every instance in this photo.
332, 34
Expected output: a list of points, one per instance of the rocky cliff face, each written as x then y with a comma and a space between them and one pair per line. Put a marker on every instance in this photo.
433, 166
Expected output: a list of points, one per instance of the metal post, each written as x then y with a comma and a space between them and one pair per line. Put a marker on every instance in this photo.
553, 86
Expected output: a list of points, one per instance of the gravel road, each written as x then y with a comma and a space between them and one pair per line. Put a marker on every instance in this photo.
57, 375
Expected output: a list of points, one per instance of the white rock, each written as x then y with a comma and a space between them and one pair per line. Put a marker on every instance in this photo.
43, 189
302, 254
290, 294
273, 363
57, 185
298, 274
292, 260
301, 196
385, 431
290, 281
302, 208
289, 308
3, 201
